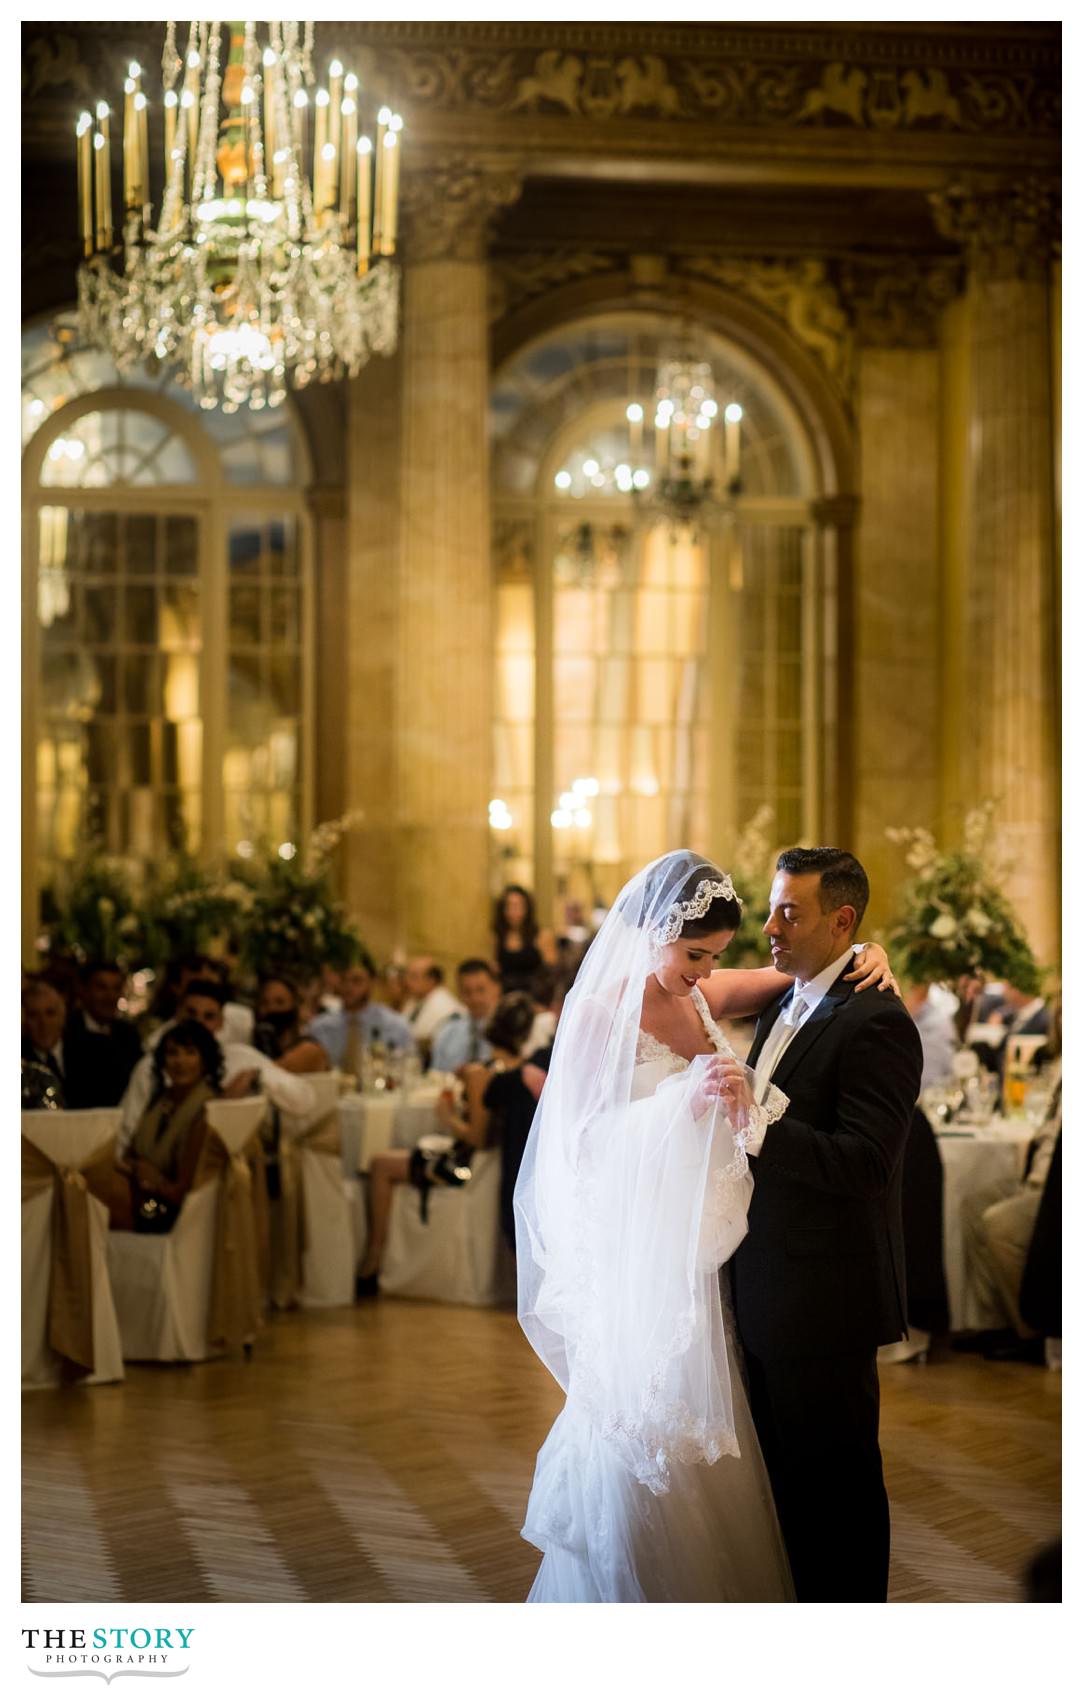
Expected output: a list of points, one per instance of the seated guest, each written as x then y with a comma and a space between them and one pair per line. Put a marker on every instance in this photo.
506, 1034
547, 990
933, 1010
511, 1097
238, 1019
462, 1037
344, 1033
247, 1071
998, 1226
101, 1047
278, 1028
45, 1063
428, 1002
328, 998
155, 1176
393, 985
1013, 1014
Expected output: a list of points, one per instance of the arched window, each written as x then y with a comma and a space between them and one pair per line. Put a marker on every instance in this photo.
679, 677
167, 641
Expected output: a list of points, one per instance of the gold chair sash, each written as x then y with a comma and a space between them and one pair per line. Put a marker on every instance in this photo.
70, 1313
235, 1310
289, 1230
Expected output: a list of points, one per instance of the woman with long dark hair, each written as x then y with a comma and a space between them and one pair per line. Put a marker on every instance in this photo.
521, 946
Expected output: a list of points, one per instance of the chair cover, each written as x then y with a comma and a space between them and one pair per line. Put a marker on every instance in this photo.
187, 1295
459, 1255
68, 1319
314, 1234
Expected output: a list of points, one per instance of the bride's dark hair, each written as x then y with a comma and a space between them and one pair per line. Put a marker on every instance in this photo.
724, 914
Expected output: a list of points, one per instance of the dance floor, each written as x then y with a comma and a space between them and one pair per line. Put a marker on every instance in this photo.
386, 1452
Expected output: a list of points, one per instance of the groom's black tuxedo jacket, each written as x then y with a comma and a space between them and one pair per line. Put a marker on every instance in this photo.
821, 1269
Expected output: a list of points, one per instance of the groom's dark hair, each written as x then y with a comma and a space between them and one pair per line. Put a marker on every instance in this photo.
842, 878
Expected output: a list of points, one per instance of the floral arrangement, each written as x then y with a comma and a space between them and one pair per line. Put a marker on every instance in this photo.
753, 869
954, 920
192, 908
275, 912
295, 921
94, 913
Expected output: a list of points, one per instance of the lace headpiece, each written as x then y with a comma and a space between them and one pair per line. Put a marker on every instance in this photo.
672, 924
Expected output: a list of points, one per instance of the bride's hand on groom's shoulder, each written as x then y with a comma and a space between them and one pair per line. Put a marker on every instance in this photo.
872, 968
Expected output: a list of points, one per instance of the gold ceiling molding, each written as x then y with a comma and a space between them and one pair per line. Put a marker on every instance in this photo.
802, 294
1008, 231
447, 210
897, 303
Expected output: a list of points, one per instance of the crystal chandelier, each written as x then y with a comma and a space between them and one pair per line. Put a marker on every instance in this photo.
685, 467
271, 261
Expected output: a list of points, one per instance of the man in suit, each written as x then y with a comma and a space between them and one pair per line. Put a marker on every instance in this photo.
44, 1014
101, 1048
819, 1282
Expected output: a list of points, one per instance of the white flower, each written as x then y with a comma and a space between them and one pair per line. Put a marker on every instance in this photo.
128, 926
944, 927
978, 922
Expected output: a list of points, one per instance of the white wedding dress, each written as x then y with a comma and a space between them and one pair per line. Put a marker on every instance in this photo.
709, 1532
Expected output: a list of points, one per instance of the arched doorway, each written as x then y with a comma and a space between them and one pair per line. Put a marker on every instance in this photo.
687, 681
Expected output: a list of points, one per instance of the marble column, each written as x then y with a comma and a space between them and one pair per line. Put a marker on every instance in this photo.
443, 638
1009, 747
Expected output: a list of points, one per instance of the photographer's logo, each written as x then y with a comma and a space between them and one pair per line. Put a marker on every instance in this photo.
108, 1653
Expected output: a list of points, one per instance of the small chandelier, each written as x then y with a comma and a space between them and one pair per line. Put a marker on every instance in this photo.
688, 471
271, 259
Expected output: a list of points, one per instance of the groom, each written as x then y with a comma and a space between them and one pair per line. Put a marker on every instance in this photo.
819, 1281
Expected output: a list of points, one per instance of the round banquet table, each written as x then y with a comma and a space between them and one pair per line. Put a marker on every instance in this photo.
974, 1160
383, 1121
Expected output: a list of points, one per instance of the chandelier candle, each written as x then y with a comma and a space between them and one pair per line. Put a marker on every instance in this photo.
83, 149
364, 203
383, 119
391, 190
103, 186
348, 157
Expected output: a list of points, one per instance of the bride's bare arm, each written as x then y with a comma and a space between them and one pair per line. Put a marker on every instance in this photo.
737, 992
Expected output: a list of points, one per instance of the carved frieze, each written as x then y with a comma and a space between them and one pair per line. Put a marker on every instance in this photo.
732, 89
1005, 232
897, 303
801, 293
515, 279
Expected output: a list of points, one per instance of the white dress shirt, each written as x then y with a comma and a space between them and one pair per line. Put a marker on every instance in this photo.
288, 1092
807, 996
426, 1014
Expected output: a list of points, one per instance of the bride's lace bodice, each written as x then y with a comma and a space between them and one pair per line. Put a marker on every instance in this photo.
656, 1061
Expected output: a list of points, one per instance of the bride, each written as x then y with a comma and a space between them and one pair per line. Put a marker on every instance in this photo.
633, 1194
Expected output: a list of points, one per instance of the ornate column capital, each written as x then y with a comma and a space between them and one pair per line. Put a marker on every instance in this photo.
448, 209
1007, 231
897, 303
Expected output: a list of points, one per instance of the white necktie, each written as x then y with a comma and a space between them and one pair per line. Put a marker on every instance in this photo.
777, 1040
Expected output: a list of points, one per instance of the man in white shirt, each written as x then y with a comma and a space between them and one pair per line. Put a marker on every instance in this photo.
203, 1002
428, 1002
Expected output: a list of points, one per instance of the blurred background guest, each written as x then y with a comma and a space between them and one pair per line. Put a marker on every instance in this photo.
101, 1047
469, 1122
246, 1072
45, 1014
521, 947
238, 1019
428, 1002
392, 985
933, 1009
278, 1031
343, 1034
153, 1178
462, 1039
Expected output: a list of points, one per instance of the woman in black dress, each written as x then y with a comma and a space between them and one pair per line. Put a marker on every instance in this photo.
521, 947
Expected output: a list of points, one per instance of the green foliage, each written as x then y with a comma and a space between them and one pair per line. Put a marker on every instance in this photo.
95, 912
953, 918
279, 914
752, 870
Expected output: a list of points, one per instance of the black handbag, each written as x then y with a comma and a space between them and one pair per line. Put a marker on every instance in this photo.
153, 1215
443, 1168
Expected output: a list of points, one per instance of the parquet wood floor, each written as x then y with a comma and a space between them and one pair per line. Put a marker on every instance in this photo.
386, 1453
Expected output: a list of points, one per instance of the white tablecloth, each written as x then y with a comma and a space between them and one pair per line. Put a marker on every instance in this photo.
972, 1164
382, 1121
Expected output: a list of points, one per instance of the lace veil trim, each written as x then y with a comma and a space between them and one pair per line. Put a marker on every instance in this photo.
672, 923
